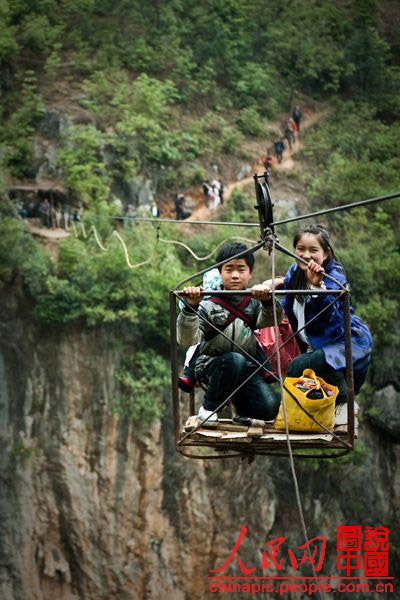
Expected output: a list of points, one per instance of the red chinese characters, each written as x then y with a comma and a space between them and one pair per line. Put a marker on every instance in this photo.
376, 546
313, 554
348, 543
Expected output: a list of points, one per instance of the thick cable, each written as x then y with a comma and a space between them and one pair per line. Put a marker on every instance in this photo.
337, 209
185, 222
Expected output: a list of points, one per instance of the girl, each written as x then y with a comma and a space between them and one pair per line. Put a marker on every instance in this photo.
322, 341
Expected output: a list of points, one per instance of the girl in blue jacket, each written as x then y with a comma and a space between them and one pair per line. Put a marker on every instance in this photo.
322, 341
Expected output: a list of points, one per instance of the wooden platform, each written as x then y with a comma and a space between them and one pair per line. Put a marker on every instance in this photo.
261, 436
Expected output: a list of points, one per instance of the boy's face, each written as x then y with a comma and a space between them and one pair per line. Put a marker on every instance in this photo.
235, 274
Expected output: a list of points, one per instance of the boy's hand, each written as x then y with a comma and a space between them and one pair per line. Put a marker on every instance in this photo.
315, 273
261, 291
193, 294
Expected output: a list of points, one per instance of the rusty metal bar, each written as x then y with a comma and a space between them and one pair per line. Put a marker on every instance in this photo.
305, 292
349, 368
174, 366
192, 407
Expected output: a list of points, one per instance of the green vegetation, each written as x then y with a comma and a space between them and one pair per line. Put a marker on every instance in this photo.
141, 385
158, 90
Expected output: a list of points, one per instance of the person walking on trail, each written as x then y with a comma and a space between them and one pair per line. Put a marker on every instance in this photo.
279, 148
293, 128
289, 136
221, 191
206, 191
179, 200
268, 162
296, 114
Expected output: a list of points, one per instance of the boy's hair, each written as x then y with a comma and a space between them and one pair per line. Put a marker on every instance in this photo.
229, 250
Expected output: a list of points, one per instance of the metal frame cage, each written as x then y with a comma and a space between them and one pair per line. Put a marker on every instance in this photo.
233, 439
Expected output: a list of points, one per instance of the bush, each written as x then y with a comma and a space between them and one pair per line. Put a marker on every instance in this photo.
249, 122
141, 387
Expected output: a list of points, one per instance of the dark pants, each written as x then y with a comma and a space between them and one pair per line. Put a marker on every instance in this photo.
255, 399
316, 361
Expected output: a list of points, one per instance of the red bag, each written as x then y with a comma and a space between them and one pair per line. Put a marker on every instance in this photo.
266, 337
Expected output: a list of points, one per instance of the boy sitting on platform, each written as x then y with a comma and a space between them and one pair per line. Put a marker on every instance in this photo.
221, 366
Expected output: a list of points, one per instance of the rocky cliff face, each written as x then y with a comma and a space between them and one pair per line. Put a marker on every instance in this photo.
93, 508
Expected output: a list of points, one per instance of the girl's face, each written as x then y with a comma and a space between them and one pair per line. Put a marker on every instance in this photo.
309, 248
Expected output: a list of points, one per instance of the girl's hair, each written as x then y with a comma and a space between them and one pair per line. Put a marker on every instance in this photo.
323, 237
299, 279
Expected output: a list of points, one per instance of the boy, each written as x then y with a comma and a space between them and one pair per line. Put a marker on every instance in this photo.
221, 366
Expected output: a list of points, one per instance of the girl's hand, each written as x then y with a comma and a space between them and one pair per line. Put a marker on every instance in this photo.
193, 294
261, 291
315, 273
275, 284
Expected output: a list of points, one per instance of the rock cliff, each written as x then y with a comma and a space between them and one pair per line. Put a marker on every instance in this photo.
94, 508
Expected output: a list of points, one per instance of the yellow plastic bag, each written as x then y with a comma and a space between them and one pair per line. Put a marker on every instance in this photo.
323, 409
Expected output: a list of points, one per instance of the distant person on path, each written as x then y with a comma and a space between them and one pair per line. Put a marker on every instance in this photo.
279, 148
130, 214
206, 191
268, 162
155, 211
179, 200
296, 114
45, 212
288, 135
293, 127
22, 212
221, 191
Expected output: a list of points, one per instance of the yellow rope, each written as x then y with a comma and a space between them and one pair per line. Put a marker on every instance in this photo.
211, 253
116, 234
96, 237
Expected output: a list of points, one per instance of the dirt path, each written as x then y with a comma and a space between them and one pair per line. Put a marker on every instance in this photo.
202, 213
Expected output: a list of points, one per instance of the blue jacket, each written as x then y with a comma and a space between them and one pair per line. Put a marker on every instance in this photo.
327, 331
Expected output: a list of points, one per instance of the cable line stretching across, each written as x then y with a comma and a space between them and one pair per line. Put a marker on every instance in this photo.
290, 220
184, 222
338, 208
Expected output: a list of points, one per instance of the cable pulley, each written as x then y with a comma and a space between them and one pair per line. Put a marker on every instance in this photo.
264, 205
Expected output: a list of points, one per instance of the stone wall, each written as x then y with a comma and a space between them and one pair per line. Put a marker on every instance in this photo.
94, 508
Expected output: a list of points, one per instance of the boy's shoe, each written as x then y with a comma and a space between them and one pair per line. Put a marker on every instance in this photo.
204, 413
186, 384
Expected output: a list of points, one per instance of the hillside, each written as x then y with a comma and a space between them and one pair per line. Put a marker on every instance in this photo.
105, 108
